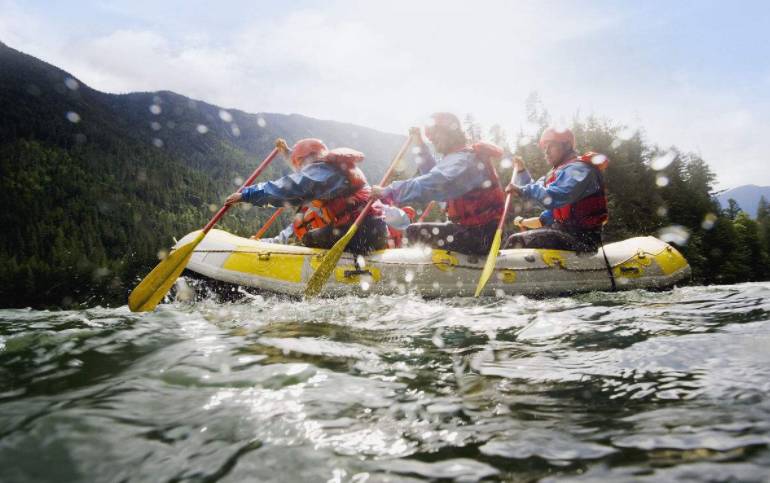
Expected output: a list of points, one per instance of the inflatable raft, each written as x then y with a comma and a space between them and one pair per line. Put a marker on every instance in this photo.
642, 262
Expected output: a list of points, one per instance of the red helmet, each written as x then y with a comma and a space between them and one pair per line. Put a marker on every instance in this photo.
558, 135
305, 148
409, 212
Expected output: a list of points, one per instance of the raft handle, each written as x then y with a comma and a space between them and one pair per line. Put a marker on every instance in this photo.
354, 273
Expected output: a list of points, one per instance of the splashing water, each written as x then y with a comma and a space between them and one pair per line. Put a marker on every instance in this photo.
632, 386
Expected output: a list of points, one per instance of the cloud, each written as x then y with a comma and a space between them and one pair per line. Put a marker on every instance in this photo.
389, 64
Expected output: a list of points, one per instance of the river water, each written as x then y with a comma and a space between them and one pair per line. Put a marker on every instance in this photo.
631, 386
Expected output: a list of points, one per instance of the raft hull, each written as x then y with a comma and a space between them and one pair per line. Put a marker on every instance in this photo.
642, 262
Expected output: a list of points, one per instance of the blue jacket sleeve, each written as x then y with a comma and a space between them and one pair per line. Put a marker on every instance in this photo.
455, 175
546, 217
425, 159
522, 178
573, 183
315, 181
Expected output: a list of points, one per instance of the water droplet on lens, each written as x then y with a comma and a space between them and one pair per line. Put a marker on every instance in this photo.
662, 161
155, 126
708, 221
435, 231
225, 116
674, 234
261, 122
71, 83
409, 276
506, 163
162, 254
202, 129
155, 109
662, 211
33, 90
450, 238
547, 201
73, 117
157, 142
235, 130
661, 180
237, 181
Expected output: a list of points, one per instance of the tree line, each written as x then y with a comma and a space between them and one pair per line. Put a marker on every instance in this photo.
88, 210
663, 192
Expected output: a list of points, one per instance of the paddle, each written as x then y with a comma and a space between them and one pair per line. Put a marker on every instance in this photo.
489, 266
150, 291
267, 224
330, 259
426, 211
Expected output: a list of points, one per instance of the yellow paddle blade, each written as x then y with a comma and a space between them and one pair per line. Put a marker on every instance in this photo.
150, 291
489, 267
329, 261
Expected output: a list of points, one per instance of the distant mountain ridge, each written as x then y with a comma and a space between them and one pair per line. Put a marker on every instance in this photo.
94, 185
747, 197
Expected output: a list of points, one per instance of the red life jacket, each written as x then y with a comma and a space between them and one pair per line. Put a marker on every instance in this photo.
588, 213
482, 205
344, 209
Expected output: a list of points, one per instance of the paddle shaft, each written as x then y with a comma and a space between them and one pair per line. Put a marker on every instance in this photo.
385, 178
426, 211
507, 204
280, 145
267, 224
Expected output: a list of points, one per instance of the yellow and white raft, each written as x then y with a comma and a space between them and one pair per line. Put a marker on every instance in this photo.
642, 262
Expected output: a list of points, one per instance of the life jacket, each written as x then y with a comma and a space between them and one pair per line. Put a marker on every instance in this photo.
344, 209
588, 213
482, 205
395, 238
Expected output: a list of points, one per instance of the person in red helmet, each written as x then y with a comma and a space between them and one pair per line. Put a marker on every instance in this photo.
329, 191
572, 193
465, 178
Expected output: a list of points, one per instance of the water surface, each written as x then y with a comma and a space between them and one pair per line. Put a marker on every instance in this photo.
632, 386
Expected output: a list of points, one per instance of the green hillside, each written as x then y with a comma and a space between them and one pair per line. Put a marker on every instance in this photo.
94, 185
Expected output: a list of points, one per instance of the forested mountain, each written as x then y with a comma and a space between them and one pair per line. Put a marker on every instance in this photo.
94, 185
747, 197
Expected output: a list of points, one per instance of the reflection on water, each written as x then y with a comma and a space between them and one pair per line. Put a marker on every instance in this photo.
632, 386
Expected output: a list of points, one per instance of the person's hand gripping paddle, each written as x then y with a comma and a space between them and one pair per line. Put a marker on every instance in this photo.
150, 291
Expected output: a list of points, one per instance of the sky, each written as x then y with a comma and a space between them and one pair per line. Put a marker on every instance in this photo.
694, 74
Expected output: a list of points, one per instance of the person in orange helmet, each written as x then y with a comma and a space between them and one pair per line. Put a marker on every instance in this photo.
572, 193
329, 191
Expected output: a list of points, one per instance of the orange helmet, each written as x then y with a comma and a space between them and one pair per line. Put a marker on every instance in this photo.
553, 134
409, 212
306, 147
